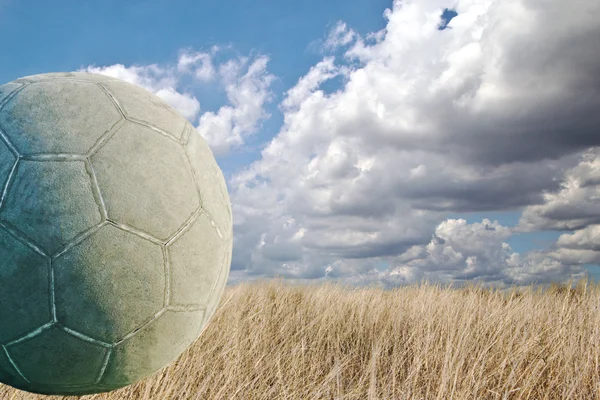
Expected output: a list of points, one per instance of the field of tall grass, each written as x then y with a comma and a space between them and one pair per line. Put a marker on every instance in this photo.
272, 340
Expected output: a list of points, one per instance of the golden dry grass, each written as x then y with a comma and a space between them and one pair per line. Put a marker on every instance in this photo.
271, 340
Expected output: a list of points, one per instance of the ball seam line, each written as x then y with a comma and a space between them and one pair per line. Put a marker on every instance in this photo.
96, 190
8, 182
14, 365
106, 136
22, 237
32, 333
113, 98
9, 144
78, 239
12, 94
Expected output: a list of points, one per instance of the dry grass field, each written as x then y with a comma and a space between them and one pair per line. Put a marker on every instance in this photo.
272, 340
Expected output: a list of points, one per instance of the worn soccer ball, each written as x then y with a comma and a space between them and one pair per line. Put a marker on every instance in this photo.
115, 233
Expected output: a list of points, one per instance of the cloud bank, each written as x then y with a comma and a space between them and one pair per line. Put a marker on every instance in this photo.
496, 112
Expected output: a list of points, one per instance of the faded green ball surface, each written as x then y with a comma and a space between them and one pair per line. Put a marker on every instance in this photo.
115, 233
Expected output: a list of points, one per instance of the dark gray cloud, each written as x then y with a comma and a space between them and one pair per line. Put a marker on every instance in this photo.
575, 206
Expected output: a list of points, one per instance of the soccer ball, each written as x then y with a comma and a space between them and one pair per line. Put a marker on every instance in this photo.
115, 233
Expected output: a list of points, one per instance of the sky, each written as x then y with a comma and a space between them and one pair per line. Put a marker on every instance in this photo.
367, 142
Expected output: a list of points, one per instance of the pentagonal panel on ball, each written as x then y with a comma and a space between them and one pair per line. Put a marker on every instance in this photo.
145, 180
58, 116
153, 347
140, 105
51, 202
24, 288
56, 357
196, 258
109, 284
213, 190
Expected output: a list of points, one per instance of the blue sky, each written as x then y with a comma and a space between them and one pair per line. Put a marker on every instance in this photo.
359, 142
69, 35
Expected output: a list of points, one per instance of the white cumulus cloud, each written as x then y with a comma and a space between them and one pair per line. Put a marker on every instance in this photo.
488, 115
248, 92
